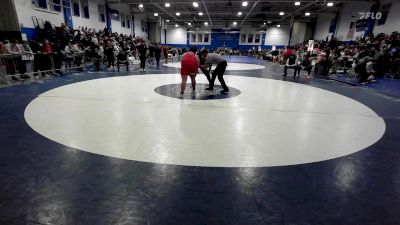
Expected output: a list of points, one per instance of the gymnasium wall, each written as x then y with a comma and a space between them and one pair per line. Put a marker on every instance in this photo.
228, 38
163, 35
176, 36
393, 20
322, 26
141, 26
222, 38
298, 33
26, 11
350, 13
92, 22
116, 24
278, 36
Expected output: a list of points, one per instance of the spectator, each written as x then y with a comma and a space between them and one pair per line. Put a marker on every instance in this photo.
157, 54
142, 54
361, 69
293, 63
27, 57
14, 59
122, 58
306, 64
165, 53
68, 54
151, 54
370, 70
47, 54
109, 52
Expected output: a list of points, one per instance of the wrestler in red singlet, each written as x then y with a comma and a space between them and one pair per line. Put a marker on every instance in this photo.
189, 67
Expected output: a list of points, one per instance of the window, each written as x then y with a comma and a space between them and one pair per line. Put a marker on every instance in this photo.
257, 38
41, 4
75, 8
206, 38
193, 38
250, 38
102, 13
200, 38
128, 21
55, 5
85, 7
243, 38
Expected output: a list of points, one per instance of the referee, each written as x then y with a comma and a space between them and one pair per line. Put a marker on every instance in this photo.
209, 59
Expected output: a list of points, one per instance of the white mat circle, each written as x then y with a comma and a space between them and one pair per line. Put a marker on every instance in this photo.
272, 123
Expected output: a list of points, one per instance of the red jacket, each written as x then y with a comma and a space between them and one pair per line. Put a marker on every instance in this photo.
47, 49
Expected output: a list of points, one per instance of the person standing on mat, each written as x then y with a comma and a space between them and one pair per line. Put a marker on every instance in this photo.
142, 48
189, 67
215, 59
204, 69
157, 54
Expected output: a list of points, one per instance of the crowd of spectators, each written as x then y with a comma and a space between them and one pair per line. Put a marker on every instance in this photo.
58, 48
367, 58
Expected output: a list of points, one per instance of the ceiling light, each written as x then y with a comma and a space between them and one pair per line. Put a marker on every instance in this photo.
167, 5
189, 23
307, 13
155, 14
281, 13
278, 25
167, 21
206, 23
200, 13
264, 23
239, 13
297, 3
140, 5
195, 4
234, 23
329, 4
176, 25
244, 4
178, 13
269, 22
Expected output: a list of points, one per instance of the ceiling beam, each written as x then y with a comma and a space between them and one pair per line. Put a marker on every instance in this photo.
165, 11
208, 14
251, 10
297, 11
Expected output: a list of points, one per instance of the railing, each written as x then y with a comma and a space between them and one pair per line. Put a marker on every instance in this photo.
26, 65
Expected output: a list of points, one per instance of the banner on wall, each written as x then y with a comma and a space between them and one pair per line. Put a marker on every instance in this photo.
384, 10
224, 37
361, 25
350, 34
